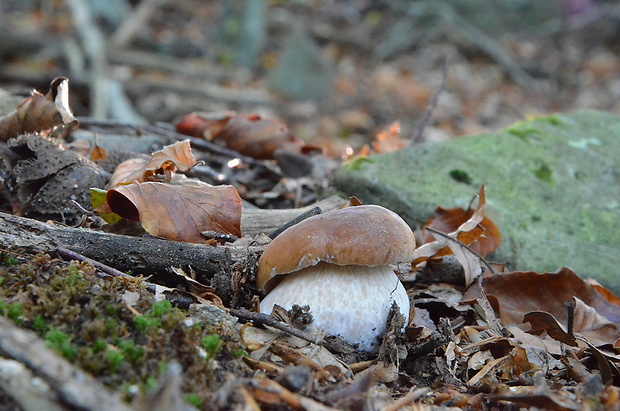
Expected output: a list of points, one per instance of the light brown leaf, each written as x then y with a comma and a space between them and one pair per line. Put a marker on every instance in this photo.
519, 293
170, 158
40, 112
128, 171
467, 227
473, 264
388, 140
204, 125
162, 165
474, 228
179, 212
256, 136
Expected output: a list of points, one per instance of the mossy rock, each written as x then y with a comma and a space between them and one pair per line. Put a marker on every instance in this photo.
553, 189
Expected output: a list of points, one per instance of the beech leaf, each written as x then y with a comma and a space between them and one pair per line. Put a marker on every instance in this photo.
518, 293
466, 228
40, 112
172, 157
179, 212
473, 264
128, 171
204, 125
543, 321
160, 167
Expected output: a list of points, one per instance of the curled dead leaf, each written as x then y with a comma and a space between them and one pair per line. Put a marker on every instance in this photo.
204, 125
179, 212
519, 293
257, 136
128, 171
40, 112
249, 134
170, 158
470, 227
543, 321
160, 167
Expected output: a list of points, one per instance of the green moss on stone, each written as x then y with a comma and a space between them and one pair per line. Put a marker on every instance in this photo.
554, 191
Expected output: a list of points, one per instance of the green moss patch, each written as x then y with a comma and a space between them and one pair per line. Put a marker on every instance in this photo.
85, 319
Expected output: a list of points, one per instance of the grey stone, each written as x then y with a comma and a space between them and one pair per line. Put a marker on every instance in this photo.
552, 185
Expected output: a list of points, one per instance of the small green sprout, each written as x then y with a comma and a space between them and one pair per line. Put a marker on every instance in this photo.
61, 342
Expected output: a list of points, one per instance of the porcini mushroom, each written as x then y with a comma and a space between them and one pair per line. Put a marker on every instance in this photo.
339, 264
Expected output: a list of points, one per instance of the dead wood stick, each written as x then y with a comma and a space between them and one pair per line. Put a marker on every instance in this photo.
301, 217
431, 106
105, 269
149, 256
266, 319
76, 388
140, 255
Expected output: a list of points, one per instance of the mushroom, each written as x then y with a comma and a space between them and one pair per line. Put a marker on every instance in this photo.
338, 263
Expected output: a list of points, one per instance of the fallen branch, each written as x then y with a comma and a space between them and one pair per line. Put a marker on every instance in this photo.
75, 388
152, 256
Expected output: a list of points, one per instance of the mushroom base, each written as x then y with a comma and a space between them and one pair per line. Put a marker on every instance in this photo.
350, 302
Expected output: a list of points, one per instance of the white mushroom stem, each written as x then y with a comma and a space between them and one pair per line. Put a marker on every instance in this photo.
351, 301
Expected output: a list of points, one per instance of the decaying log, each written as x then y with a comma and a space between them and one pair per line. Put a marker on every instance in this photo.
74, 387
147, 256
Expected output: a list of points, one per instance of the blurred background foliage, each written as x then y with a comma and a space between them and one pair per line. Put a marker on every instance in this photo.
329, 68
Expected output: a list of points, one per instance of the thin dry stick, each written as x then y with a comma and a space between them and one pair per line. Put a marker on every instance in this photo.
417, 133
296, 220
413, 395
272, 322
68, 254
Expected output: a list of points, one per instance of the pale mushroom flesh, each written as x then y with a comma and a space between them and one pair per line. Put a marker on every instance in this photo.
351, 301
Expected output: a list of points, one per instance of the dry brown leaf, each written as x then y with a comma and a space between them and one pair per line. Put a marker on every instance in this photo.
162, 165
467, 232
473, 264
128, 171
483, 238
543, 321
200, 292
179, 212
98, 154
256, 136
249, 134
170, 158
40, 112
519, 293
204, 125
389, 140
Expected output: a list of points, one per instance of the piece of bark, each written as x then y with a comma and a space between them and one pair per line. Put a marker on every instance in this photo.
74, 387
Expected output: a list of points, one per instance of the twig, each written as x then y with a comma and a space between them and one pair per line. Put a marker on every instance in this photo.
431, 106
272, 322
68, 254
413, 395
296, 220
133, 23
76, 388
93, 44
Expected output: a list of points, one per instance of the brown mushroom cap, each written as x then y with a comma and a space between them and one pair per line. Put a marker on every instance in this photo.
367, 235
